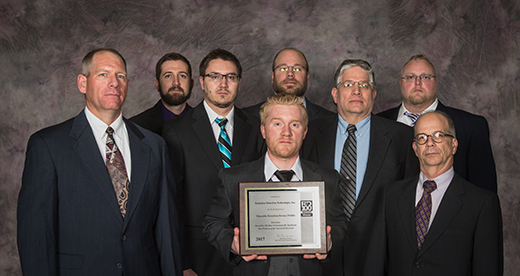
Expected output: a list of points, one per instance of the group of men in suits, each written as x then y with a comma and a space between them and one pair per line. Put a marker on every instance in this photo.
216, 142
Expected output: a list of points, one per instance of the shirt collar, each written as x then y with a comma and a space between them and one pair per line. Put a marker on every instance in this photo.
99, 127
212, 115
270, 168
442, 181
432, 107
361, 127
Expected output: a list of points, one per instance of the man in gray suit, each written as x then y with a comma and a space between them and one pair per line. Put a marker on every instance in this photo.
97, 193
381, 153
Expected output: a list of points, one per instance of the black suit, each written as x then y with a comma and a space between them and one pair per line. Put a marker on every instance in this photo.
465, 237
223, 215
152, 118
390, 158
313, 110
474, 159
69, 221
196, 161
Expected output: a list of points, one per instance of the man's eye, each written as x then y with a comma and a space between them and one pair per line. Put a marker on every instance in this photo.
183, 76
347, 85
215, 77
102, 74
231, 77
297, 69
283, 69
425, 78
363, 86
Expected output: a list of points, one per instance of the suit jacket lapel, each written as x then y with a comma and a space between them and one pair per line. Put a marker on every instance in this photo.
448, 209
379, 144
406, 205
326, 142
140, 162
240, 136
87, 151
256, 170
202, 127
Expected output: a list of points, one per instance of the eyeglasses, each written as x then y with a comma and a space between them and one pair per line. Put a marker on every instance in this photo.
437, 137
363, 85
294, 69
423, 78
217, 77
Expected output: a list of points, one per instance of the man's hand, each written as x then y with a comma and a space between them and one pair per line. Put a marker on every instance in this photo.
189, 272
318, 255
236, 245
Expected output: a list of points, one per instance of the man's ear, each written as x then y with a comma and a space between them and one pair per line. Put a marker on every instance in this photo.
157, 85
82, 83
262, 130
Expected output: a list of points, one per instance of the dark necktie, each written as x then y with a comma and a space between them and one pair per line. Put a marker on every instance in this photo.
423, 211
348, 171
284, 176
412, 116
224, 143
117, 171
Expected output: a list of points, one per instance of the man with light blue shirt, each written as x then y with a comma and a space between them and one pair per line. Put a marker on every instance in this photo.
367, 150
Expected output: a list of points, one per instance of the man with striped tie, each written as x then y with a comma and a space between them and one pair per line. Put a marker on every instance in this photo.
436, 223
367, 150
213, 135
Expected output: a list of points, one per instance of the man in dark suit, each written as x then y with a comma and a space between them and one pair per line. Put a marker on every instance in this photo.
97, 193
437, 223
174, 82
382, 153
290, 74
284, 125
474, 159
194, 141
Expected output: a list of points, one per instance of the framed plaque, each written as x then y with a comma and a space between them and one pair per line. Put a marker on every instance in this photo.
278, 218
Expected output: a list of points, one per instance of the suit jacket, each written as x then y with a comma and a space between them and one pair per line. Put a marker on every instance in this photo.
474, 159
390, 158
465, 237
152, 118
223, 215
196, 161
313, 110
69, 221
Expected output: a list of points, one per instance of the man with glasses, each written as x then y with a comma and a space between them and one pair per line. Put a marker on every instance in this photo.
212, 136
437, 223
290, 74
474, 159
367, 150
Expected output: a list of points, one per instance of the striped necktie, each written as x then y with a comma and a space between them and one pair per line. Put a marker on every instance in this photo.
412, 117
224, 143
348, 171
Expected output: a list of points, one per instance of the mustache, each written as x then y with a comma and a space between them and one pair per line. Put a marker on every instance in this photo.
176, 87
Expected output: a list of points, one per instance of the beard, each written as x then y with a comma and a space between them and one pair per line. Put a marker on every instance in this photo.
295, 90
175, 98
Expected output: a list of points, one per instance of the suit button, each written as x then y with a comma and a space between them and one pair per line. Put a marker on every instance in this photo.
123, 237
417, 265
119, 265
290, 260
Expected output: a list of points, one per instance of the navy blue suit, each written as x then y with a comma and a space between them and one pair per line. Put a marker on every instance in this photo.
473, 160
69, 221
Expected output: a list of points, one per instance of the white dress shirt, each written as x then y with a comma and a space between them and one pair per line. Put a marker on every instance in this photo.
406, 120
212, 115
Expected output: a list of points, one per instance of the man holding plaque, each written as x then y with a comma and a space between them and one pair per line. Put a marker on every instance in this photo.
283, 126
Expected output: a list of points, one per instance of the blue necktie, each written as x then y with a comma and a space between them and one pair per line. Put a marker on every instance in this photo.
224, 143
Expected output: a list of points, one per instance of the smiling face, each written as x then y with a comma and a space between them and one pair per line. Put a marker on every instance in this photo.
354, 104
284, 131
292, 82
220, 95
174, 83
418, 95
106, 86
434, 158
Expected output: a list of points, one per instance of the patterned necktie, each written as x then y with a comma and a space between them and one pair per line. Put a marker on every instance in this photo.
224, 143
117, 170
412, 117
348, 171
423, 211
284, 176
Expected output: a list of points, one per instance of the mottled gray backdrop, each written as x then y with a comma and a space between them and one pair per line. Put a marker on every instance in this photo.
474, 45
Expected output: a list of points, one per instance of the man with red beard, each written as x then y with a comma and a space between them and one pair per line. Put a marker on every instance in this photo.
174, 82
474, 159
211, 136
290, 74
283, 126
